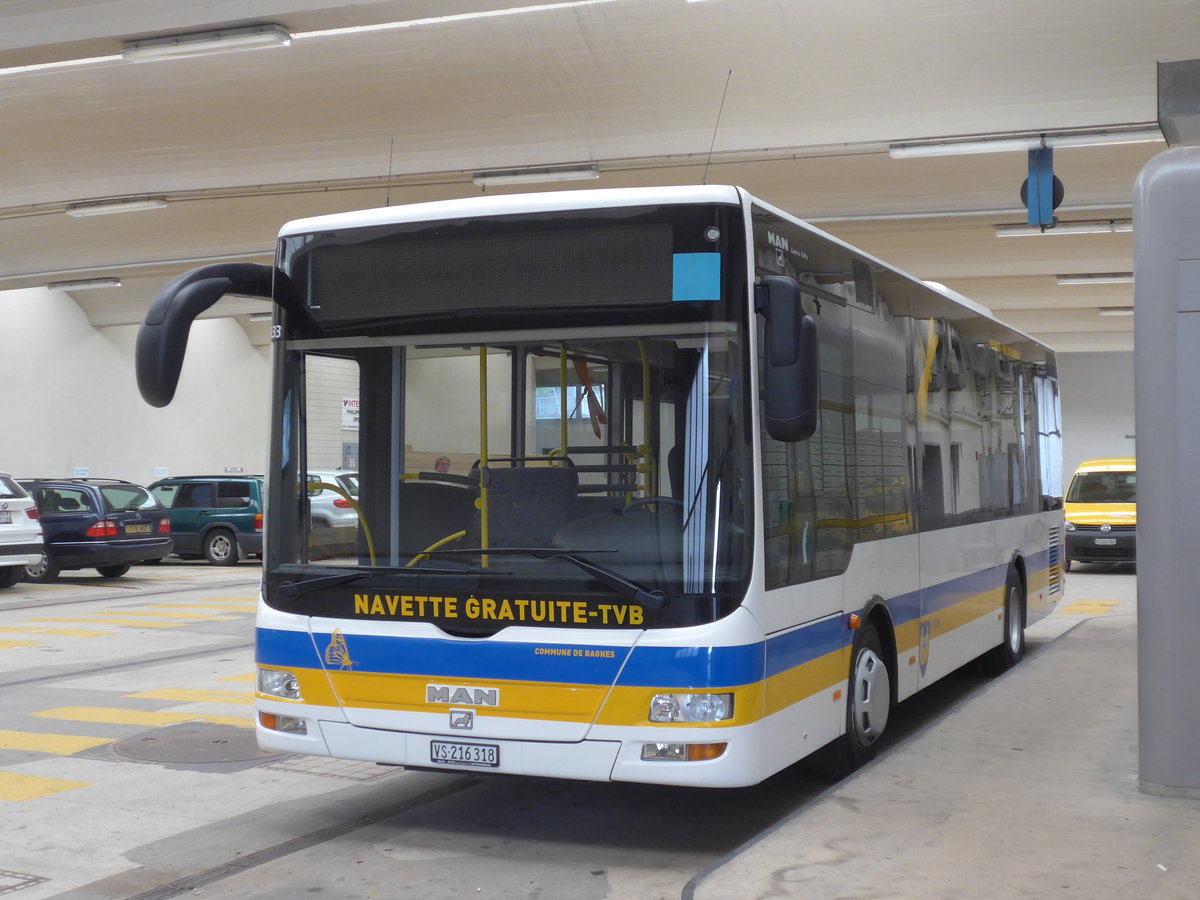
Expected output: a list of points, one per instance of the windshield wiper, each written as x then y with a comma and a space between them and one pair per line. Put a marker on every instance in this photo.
300, 588
651, 601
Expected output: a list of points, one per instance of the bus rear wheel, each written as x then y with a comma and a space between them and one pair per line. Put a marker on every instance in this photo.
1011, 648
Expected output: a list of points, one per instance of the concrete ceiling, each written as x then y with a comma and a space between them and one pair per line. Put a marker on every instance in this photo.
814, 94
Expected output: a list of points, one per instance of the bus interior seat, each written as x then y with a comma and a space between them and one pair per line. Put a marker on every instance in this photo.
641, 536
432, 510
526, 506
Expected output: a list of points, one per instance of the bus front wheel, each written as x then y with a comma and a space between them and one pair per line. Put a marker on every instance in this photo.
868, 706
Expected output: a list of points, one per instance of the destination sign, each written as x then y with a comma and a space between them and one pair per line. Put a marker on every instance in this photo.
473, 610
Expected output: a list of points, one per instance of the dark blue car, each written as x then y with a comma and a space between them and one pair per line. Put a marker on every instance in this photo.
95, 523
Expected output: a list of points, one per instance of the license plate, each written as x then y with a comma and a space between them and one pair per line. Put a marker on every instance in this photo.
137, 529
1106, 542
457, 754
5, 517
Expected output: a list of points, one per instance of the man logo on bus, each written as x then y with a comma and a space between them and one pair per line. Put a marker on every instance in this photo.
923, 653
462, 695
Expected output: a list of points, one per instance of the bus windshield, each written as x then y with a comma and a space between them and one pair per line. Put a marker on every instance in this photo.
607, 463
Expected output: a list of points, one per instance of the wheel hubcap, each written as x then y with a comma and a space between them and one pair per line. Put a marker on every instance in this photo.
1012, 615
220, 547
872, 698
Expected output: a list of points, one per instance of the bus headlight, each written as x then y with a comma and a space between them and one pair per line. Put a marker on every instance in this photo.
276, 683
691, 707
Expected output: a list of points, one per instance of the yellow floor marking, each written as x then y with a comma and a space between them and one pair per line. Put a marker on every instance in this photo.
139, 611
59, 744
247, 678
140, 623
231, 607
67, 632
16, 788
1089, 607
9, 645
187, 695
113, 716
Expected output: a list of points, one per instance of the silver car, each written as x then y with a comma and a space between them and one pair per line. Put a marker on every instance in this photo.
20, 532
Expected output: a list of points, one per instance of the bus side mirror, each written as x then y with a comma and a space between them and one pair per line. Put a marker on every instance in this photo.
163, 336
790, 363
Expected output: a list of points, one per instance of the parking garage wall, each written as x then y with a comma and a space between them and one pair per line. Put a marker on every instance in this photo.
1097, 401
69, 398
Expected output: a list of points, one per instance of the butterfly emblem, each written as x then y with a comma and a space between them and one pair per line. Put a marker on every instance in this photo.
337, 653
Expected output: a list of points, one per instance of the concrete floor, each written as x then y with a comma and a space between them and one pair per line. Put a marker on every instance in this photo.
1030, 789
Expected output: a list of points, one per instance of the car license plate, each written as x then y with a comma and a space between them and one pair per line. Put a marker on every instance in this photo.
137, 529
1106, 542
457, 754
5, 517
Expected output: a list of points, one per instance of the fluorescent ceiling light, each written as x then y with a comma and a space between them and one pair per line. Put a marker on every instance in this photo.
537, 176
1116, 311
1025, 142
204, 43
107, 207
1109, 226
84, 284
260, 317
1101, 278
441, 20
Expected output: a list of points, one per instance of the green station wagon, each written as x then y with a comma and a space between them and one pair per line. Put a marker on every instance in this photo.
218, 517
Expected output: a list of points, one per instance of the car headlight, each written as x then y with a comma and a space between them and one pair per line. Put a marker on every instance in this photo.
278, 683
691, 707
1070, 526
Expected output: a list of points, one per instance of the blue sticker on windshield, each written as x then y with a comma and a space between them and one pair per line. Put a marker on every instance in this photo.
696, 276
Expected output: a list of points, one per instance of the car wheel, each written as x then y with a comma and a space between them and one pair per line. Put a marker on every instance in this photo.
10, 575
113, 571
1067, 565
220, 548
43, 572
1011, 648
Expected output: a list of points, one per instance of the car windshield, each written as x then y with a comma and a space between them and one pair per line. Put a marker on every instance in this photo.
1103, 487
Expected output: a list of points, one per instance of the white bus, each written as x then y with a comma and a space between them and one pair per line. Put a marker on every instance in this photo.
654, 485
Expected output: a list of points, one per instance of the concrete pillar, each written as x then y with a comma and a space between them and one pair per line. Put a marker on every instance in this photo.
1167, 393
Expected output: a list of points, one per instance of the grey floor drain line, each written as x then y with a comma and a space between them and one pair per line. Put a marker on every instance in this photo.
303, 842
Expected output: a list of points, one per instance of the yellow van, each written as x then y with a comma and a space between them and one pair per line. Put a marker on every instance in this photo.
1102, 512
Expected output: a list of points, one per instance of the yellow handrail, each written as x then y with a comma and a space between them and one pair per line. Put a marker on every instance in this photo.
483, 456
338, 489
424, 554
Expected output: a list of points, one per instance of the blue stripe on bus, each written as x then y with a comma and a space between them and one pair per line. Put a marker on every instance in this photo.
804, 644
682, 667
664, 667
